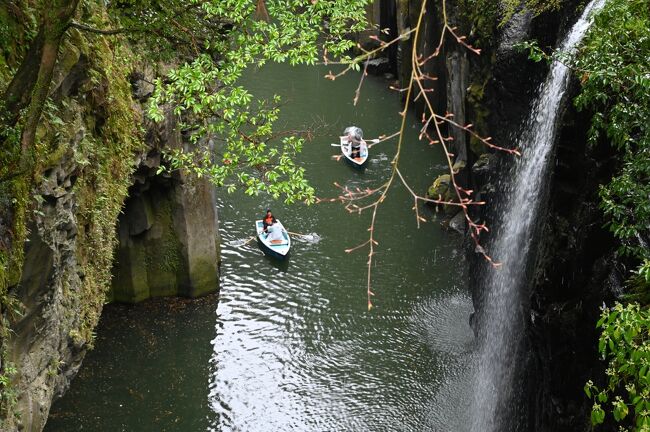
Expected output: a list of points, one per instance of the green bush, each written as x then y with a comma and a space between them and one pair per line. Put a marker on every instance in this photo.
625, 343
614, 67
614, 71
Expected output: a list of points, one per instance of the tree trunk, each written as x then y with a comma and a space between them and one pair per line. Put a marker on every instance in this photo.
20, 88
29, 88
40, 93
55, 23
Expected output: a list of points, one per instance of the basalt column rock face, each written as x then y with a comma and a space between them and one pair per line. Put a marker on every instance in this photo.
168, 229
99, 182
449, 70
44, 346
575, 269
575, 273
168, 239
168, 245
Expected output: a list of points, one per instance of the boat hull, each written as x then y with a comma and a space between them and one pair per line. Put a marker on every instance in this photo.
279, 250
359, 162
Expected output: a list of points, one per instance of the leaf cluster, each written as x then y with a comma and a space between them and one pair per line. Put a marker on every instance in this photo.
234, 143
614, 64
625, 343
614, 70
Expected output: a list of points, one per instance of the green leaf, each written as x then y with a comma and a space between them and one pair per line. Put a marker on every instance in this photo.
597, 415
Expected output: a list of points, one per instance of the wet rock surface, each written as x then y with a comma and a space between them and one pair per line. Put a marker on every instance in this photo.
46, 345
168, 239
576, 272
576, 269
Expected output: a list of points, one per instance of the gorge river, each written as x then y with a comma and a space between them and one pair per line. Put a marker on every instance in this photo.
291, 346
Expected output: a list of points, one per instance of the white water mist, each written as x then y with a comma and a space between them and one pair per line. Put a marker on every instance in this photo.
501, 330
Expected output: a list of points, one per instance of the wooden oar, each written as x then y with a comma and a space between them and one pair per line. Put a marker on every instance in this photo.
308, 237
242, 242
371, 142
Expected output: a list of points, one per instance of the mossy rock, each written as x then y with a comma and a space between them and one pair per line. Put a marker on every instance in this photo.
458, 166
441, 188
484, 162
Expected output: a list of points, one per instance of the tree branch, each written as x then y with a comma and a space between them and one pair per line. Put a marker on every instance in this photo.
90, 29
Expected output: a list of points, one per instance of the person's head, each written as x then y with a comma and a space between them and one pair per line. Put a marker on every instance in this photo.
268, 213
354, 133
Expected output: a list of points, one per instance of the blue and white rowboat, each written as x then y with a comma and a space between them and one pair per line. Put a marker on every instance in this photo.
346, 149
276, 248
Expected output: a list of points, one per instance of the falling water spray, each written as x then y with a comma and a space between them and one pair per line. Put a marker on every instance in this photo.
500, 336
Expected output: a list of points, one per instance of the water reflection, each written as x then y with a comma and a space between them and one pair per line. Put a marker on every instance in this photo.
291, 346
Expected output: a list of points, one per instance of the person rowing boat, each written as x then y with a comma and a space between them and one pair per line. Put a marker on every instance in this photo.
268, 220
355, 140
353, 146
273, 237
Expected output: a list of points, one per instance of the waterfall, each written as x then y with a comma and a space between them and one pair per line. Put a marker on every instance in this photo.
502, 315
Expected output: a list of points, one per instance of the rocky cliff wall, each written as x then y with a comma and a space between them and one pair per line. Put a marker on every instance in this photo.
575, 273
99, 151
575, 268
167, 238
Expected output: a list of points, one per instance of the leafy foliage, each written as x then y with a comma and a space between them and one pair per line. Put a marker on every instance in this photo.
616, 84
625, 342
232, 134
487, 15
615, 75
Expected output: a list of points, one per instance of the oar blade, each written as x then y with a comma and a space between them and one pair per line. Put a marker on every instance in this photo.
240, 242
308, 238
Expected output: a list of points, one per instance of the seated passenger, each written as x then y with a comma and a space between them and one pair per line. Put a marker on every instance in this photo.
363, 149
268, 220
275, 233
355, 140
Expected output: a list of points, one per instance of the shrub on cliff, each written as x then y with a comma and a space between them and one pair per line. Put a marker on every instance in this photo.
614, 71
614, 68
625, 342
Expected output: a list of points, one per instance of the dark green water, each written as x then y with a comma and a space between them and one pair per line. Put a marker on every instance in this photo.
291, 347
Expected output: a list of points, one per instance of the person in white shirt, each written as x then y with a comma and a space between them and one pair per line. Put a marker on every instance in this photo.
274, 232
355, 140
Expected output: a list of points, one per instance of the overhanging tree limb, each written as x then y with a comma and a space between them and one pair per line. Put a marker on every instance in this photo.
105, 32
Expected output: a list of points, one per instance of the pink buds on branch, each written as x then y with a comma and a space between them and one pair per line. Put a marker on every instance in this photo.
359, 200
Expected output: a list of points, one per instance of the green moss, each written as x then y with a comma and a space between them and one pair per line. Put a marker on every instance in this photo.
103, 183
14, 195
440, 187
486, 16
164, 260
202, 278
105, 160
130, 283
483, 16
14, 199
170, 258
479, 113
105, 164
16, 30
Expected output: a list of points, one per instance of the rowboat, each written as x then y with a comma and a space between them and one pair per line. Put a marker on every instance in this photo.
275, 248
346, 150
